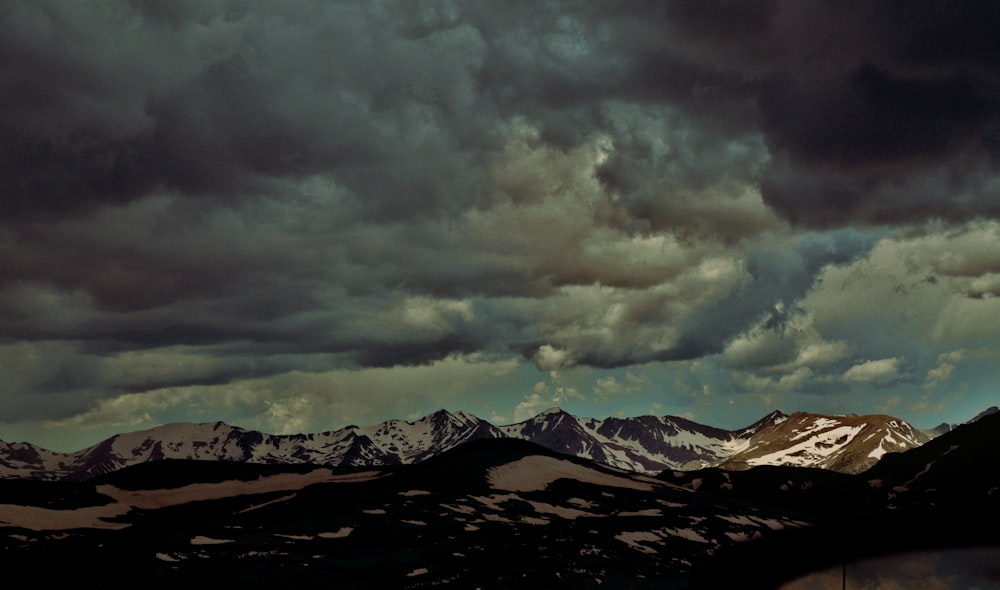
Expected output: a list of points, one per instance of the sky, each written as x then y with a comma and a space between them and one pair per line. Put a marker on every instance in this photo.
297, 216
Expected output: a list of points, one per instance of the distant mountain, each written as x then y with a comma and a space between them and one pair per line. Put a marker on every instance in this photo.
389, 443
945, 427
647, 444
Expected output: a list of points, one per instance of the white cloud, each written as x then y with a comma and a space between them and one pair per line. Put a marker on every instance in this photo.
940, 373
609, 386
776, 384
873, 371
929, 286
782, 358
785, 348
889, 404
433, 315
543, 397
550, 358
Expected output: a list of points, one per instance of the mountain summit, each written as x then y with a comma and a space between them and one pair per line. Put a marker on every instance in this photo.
848, 444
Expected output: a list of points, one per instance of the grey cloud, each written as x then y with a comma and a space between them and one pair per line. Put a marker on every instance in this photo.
254, 91
403, 105
271, 184
781, 275
862, 105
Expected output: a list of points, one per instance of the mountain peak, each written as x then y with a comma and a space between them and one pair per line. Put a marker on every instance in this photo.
987, 412
775, 417
440, 414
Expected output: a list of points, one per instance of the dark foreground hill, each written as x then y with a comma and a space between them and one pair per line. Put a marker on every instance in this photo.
493, 513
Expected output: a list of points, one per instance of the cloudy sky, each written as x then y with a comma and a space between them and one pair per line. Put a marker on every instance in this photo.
295, 216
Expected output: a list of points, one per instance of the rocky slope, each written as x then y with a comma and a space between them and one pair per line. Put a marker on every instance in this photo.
848, 444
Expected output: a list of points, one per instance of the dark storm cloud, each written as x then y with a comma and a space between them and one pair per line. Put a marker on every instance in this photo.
266, 183
200, 174
874, 111
861, 104
105, 103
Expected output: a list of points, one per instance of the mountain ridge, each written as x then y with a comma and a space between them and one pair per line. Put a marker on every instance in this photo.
646, 444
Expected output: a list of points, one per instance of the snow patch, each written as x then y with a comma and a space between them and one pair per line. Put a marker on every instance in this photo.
560, 511
461, 509
743, 537
744, 520
689, 534
809, 451
494, 501
339, 534
258, 506
536, 472
203, 540
818, 424
634, 539
646, 512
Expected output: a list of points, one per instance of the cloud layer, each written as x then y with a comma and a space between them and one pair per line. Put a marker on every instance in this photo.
213, 199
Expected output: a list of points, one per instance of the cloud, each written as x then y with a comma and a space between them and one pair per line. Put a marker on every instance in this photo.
879, 117
543, 397
783, 352
610, 386
912, 286
889, 404
872, 371
782, 341
210, 194
795, 380
549, 358
871, 126
940, 373
781, 269
296, 401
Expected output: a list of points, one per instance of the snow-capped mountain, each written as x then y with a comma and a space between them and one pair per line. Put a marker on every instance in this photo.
643, 443
646, 444
848, 444
389, 443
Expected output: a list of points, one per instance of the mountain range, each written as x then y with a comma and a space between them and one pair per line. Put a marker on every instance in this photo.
644, 444
498, 513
